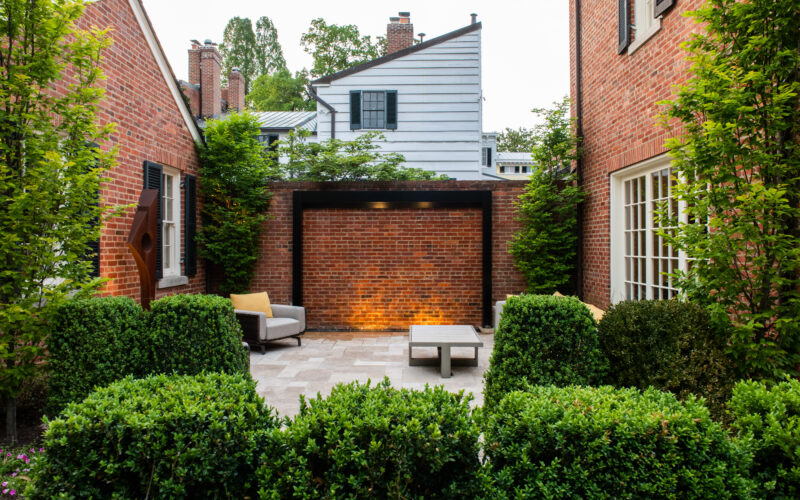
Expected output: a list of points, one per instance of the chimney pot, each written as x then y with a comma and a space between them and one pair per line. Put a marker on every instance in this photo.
474, 18
394, 20
209, 42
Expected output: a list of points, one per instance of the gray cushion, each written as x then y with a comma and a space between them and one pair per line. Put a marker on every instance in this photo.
278, 328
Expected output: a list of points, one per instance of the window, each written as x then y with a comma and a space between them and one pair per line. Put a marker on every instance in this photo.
170, 222
486, 157
516, 169
502, 170
373, 109
524, 169
269, 140
646, 22
641, 261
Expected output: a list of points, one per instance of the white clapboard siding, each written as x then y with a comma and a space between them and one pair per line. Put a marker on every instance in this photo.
438, 111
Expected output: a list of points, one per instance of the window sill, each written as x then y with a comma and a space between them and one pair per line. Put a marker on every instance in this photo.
644, 37
170, 281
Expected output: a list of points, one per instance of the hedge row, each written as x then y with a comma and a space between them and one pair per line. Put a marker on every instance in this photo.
211, 436
97, 341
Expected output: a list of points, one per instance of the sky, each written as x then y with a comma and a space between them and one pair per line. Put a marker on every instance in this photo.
525, 43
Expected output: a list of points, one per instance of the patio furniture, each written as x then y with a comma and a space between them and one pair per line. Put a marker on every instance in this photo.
443, 337
269, 322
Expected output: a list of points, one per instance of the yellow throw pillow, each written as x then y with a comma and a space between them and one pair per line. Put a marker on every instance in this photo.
596, 311
258, 302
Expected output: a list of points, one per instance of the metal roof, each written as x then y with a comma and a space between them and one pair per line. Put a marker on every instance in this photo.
513, 156
288, 120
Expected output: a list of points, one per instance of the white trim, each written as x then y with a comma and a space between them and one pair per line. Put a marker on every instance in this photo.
163, 65
646, 26
177, 202
170, 281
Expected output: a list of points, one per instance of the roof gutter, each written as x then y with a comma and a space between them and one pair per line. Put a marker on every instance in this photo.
313, 93
579, 133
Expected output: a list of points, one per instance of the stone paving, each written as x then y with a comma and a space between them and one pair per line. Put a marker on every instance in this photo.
328, 358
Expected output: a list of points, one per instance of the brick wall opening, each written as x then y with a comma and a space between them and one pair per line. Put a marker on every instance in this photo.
384, 270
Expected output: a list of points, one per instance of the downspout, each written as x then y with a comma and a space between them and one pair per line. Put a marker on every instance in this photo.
330, 108
579, 133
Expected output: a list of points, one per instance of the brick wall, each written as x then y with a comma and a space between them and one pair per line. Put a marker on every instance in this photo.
149, 127
399, 35
403, 248
620, 96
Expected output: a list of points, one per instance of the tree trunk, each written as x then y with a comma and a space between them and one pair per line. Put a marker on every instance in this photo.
11, 420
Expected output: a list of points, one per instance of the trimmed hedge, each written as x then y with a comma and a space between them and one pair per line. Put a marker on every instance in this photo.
541, 340
669, 345
576, 442
767, 418
376, 442
93, 343
190, 334
159, 437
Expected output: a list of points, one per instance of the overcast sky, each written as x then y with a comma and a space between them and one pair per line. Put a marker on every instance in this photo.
525, 42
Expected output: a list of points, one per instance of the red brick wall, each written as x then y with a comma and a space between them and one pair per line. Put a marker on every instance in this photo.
149, 127
620, 96
460, 228
399, 36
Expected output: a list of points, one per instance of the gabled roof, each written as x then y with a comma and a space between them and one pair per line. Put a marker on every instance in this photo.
288, 120
400, 53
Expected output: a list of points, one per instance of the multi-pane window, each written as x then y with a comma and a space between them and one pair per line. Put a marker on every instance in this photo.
170, 213
374, 109
642, 261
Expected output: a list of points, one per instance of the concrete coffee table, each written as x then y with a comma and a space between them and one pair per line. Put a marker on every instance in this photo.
443, 337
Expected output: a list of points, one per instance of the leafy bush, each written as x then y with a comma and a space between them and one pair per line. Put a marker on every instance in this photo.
190, 334
669, 345
577, 442
94, 342
542, 339
15, 467
768, 418
159, 437
365, 442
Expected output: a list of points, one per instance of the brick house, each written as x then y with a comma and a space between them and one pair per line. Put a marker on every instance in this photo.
155, 136
625, 58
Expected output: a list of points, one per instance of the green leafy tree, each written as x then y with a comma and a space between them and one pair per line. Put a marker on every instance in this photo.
269, 54
336, 160
232, 183
545, 248
336, 48
50, 175
737, 167
281, 92
238, 50
521, 139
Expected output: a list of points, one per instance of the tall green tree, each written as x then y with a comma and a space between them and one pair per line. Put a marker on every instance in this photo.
235, 198
545, 249
737, 167
238, 50
336, 48
269, 53
521, 139
281, 92
50, 175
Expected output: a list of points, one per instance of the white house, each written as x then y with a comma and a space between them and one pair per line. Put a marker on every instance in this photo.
514, 165
424, 97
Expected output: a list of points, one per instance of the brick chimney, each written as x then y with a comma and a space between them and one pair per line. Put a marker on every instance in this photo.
210, 80
235, 90
399, 32
194, 63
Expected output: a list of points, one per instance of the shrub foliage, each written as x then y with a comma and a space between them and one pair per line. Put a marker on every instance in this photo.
542, 339
669, 345
159, 437
576, 442
93, 343
375, 442
190, 334
768, 418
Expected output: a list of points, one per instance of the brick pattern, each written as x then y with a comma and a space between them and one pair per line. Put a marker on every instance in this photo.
273, 271
399, 36
194, 64
235, 91
210, 83
149, 127
620, 96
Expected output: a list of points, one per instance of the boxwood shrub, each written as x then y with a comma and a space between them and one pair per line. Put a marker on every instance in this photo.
577, 442
669, 345
541, 340
190, 334
375, 442
767, 418
94, 342
159, 437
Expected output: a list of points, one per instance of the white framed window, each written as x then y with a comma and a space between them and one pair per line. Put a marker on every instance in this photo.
171, 222
641, 260
645, 23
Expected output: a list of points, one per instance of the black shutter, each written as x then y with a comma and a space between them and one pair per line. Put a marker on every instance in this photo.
355, 109
93, 247
624, 25
391, 109
152, 180
489, 157
662, 6
190, 224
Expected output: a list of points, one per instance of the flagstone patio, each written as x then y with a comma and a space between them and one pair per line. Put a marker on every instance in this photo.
328, 358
